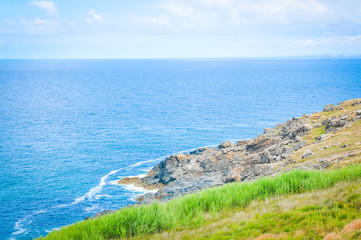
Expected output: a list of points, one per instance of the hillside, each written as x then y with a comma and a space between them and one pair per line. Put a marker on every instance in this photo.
274, 189
315, 141
333, 213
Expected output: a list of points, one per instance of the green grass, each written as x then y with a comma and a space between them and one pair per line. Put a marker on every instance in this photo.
193, 210
330, 213
310, 222
313, 133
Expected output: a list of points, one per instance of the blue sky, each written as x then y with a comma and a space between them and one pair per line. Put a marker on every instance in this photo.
179, 29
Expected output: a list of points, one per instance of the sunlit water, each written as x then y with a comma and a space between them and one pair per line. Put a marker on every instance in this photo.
70, 128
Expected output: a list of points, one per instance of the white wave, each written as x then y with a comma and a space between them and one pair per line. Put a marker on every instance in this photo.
95, 190
92, 208
133, 188
39, 211
20, 224
90, 194
114, 182
101, 196
142, 175
61, 206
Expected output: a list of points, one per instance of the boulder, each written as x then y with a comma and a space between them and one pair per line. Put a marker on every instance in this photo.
225, 145
335, 123
232, 175
259, 143
268, 131
329, 107
285, 152
307, 154
356, 103
198, 151
299, 145
295, 127
242, 143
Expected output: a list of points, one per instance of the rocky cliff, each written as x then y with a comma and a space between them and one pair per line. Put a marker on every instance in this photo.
314, 141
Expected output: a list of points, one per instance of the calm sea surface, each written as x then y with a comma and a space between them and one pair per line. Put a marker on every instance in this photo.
70, 128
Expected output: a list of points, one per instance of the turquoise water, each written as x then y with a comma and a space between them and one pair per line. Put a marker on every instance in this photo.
70, 128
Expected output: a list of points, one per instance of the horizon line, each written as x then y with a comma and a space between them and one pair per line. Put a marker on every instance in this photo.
331, 56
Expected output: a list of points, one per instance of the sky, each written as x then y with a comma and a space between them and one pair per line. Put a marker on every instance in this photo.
179, 29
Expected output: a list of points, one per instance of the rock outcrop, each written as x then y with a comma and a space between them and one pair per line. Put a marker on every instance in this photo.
267, 154
209, 167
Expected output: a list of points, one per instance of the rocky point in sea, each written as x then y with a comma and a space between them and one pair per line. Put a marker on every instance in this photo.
266, 155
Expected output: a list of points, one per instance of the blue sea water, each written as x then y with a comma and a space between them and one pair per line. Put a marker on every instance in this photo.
70, 128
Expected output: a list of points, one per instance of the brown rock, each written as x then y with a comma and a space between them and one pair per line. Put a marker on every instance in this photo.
259, 143
138, 182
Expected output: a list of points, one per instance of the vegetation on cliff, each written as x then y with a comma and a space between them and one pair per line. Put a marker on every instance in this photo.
329, 214
195, 210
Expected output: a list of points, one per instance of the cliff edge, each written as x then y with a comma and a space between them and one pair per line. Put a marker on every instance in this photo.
314, 141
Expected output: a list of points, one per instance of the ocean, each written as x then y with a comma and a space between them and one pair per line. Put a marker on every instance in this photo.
71, 128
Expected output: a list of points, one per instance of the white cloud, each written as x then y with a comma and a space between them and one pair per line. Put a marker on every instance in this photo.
176, 9
233, 15
48, 6
156, 21
39, 26
336, 40
93, 17
265, 11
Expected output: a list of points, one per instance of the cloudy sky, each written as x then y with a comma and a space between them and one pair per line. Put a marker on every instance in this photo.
178, 29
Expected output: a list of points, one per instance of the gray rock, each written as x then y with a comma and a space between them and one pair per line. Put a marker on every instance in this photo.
259, 143
321, 137
329, 107
99, 214
345, 117
265, 157
299, 145
146, 198
286, 151
335, 123
232, 176
298, 139
356, 103
225, 145
242, 143
327, 121
307, 154
295, 127
306, 115
268, 131
198, 151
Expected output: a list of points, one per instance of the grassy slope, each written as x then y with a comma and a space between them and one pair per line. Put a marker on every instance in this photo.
350, 136
200, 210
311, 215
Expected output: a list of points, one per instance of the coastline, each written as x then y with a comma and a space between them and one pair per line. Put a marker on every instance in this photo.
267, 154
289, 153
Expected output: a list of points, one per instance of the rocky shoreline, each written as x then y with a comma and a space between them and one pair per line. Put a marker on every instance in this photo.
280, 149
265, 155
